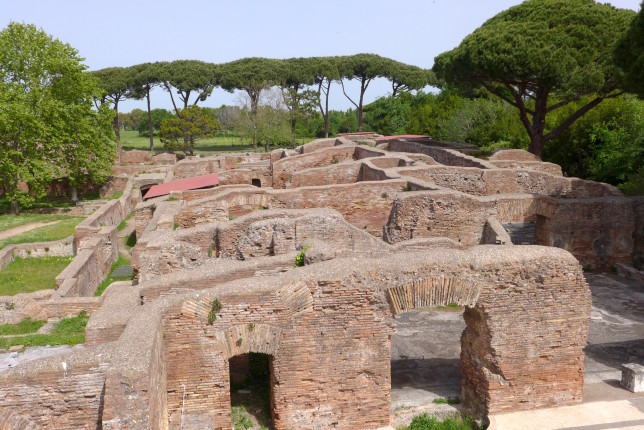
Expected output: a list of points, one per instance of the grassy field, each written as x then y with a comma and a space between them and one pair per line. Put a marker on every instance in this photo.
11, 221
69, 331
25, 275
130, 139
60, 230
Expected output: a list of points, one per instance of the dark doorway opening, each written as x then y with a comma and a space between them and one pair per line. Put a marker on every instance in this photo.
257, 183
251, 397
426, 363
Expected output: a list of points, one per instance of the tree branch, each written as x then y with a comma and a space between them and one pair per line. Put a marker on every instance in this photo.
345, 94
167, 87
572, 118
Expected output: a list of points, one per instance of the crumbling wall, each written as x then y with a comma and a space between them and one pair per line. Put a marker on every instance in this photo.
448, 157
598, 232
366, 205
53, 399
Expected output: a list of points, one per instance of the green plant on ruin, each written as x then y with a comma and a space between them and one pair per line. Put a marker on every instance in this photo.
210, 248
299, 258
407, 187
251, 327
384, 195
171, 199
239, 342
215, 307
447, 401
9, 306
335, 160
175, 226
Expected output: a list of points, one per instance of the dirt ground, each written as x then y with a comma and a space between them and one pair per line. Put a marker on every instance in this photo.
24, 228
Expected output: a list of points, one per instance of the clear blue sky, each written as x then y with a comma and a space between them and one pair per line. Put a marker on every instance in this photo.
123, 33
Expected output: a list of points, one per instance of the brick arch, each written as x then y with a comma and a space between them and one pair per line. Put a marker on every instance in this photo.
245, 338
432, 291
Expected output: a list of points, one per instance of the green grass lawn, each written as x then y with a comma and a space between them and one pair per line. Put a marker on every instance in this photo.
25, 275
130, 139
25, 326
68, 331
122, 261
425, 422
57, 231
10, 221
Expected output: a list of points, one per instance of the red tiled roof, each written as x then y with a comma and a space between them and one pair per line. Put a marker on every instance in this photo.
182, 185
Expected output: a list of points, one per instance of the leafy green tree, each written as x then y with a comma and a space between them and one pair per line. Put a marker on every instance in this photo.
116, 83
389, 115
629, 55
363, 68
270, 125
156, 117
190, 124
130, 120
48, 127
187, 78
296, 75
325, 72
146, 76
606, 144
405, 77
251, 75
540, 56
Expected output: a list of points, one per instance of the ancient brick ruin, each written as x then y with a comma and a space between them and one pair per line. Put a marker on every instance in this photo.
401, 225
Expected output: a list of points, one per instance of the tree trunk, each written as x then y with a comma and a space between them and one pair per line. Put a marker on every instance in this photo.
254, 100
192, 145
14, 206
293, 131
116, 124
538, 122
74, 192
363, 88
147, 95
536, 144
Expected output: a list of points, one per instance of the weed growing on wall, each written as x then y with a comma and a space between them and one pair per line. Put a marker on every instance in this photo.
299, 258
215, 307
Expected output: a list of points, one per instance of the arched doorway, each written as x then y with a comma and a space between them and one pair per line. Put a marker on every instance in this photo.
251, 396
429, 349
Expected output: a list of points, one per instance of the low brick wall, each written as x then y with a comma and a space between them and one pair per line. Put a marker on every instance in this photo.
448, 157
90, 266
57, 248
481, 182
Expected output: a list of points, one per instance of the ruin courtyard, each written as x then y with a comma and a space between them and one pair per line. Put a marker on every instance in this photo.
376, 275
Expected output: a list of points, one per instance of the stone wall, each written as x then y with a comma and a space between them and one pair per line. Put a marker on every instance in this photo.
90, 266
448, 157
638, 234
480, 182
57, 248
599, 232
365, 205
343, 356
327, 329
54, 400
